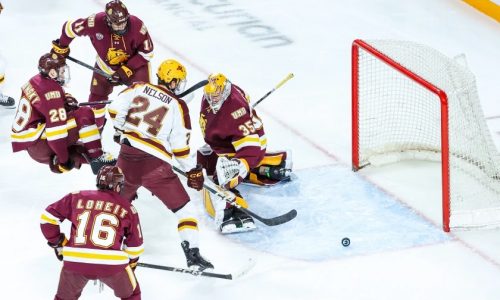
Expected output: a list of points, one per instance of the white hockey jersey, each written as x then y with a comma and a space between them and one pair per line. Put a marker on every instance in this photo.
155, 121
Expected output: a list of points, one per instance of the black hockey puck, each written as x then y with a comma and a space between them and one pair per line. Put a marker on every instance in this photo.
346, 242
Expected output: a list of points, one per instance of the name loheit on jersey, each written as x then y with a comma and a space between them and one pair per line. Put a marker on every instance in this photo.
105, 231
155, 121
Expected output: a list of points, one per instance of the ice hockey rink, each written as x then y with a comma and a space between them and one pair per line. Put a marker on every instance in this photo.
391, 214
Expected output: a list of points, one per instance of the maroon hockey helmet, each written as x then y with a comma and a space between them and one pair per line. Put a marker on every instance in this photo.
109, 178
117, 17
54, 66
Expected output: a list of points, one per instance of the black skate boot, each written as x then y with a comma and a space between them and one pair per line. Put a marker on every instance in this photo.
7, 102
236, 221
105, 159
194, 259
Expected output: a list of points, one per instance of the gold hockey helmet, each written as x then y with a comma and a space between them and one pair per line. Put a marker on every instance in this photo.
217, 90
171, 71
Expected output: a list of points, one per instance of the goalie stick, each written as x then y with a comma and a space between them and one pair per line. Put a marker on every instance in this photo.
282, 82
230, 276
229, 198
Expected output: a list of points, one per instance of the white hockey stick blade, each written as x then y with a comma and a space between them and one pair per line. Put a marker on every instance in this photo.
244, 269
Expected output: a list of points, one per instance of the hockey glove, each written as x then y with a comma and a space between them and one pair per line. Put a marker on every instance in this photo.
122, 75
133, 263
70, 103
117, 136
58, 168
58, 246
58, 49
195, 178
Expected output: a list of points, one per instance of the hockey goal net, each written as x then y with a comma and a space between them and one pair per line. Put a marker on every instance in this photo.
409, 101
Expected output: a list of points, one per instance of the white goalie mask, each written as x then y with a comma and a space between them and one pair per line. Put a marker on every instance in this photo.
217, 90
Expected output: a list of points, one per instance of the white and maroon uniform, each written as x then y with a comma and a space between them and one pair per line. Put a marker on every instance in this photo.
156, 128
105, 234
43, 127
134, 49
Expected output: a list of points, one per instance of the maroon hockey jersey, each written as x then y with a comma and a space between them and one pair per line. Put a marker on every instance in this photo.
235, 130
41, 114
105, 231
134, 48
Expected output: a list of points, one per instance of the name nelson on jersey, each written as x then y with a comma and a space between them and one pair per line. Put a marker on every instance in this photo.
156, 94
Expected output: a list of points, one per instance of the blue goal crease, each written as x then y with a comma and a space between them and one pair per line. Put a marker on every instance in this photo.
332, 203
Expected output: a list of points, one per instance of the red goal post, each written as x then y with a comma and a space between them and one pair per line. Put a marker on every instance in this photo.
411, 102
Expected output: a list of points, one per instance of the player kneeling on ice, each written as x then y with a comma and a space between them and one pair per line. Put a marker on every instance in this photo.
50, 125
235, 151
152, 125
105, 240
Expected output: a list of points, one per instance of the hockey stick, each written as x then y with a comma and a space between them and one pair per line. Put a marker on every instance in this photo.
81, 63
95, 103
229, 276
282, 82
229, 198
193, 88
186, 92
101, 72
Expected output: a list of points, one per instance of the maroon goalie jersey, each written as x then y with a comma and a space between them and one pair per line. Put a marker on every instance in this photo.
101, 222
134, 48
235, 130
41, 114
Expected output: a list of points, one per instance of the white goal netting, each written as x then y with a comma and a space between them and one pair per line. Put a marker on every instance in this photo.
399, 118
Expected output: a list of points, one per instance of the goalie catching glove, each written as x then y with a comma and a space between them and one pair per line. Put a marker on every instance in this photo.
231, 172
58, 246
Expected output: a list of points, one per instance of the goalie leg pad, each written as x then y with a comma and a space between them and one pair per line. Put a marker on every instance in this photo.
275, 167
214, 206
217, 208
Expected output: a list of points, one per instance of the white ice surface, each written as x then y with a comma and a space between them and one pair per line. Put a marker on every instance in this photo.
392, 214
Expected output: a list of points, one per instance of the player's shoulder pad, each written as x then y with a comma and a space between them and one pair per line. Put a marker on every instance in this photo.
137, 25
91, 20
132, 87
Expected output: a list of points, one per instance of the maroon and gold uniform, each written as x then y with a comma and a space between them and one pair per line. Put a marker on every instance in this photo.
236, 131
44, 128
236, 150
105, 235
131, 50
